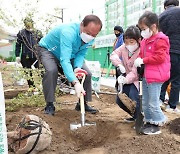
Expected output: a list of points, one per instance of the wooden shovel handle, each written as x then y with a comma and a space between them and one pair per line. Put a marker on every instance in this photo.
82, 96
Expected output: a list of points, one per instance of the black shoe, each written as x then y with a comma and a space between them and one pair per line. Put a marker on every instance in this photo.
87, 108
49, 109
129, 120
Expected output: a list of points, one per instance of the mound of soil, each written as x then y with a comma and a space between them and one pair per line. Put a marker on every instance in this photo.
174, 126
110, 134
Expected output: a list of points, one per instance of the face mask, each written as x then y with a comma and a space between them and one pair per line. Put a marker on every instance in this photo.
86, 38
146, 33
117, 35
132, 48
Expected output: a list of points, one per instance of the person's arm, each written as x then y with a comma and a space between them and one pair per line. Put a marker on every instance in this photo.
132, 76
116, 56
80, 56
159, 53
66, 44
18, 44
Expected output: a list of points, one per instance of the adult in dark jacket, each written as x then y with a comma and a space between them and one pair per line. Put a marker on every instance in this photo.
27, 41
169, 22
118, 31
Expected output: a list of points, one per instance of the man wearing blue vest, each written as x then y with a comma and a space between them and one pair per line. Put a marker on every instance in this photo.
66, 45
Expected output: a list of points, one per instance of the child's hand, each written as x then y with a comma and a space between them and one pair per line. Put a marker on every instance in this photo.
138, 62
122, 80
122, 68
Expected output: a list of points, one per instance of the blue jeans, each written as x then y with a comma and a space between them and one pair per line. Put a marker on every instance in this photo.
131, 91
151, 104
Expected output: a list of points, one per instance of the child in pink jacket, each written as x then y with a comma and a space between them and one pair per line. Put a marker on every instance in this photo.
123, 57
154, 54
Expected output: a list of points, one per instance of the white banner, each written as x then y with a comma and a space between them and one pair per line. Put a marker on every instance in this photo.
104, 41
3, 130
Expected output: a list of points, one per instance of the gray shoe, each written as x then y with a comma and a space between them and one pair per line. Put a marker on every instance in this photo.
151, 129
171, 110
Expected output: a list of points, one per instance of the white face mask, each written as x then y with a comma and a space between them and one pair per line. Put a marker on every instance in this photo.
132, 48
147, 33
86, 38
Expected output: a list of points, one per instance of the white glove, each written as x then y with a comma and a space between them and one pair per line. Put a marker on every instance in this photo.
79, 89
18, 60
122, 68
122, 80
138, 62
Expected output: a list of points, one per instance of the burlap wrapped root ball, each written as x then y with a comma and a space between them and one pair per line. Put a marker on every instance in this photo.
32, 135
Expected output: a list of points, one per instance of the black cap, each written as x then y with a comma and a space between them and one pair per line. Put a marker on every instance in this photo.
119, 28
171, 2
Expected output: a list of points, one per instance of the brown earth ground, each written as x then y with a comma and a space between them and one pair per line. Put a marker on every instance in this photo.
111, 135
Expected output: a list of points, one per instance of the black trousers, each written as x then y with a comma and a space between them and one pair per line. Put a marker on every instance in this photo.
175, 81
26, 63
51, 63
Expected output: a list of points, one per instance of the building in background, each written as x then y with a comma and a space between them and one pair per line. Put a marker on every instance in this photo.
127, 12
123, 13
6, 43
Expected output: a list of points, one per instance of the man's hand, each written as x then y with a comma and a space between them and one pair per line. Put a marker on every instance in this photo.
79, 89
122, 80
122, 68
138, 62
18, 60
79, 72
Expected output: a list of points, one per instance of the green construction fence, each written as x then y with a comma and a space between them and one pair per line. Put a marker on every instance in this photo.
102, 55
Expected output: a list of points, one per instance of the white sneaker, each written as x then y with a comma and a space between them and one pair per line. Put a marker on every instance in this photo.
170, 110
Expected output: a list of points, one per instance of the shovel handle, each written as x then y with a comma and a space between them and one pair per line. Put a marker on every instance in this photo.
82, 102
82, 96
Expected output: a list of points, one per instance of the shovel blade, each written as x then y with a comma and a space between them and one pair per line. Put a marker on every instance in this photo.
75, 126
128, 103
139, 123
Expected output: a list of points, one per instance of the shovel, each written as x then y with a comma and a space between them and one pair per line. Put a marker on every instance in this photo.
139, 121
74, 126
32, 66
130, 104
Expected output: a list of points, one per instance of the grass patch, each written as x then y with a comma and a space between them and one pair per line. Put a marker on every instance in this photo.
24, 101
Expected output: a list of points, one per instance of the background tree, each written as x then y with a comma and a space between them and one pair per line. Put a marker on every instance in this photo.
13, 12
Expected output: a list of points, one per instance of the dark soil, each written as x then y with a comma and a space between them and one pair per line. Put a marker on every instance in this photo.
111, 134
174, 126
